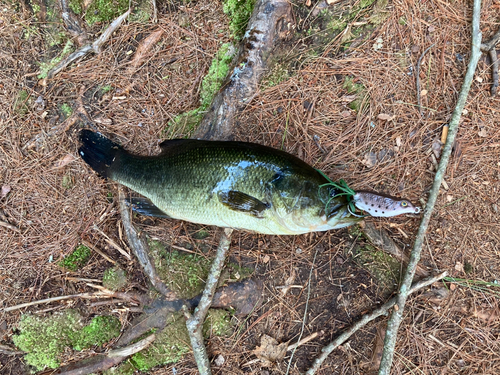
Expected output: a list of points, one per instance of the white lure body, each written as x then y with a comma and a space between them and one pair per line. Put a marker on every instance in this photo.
380, 205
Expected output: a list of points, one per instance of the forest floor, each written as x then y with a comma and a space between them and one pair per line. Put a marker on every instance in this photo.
346, 105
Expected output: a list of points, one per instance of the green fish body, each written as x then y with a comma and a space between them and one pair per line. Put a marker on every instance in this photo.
228, 184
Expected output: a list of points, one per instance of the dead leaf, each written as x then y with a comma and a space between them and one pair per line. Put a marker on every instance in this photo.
348, 98
436, 296
459, 266
330, 2
482, 132
141, 53
308, 3
398, 141
266, 258
288, 282
103, 120
270, 351
436, 147
486, 315
378, 348
64, 161
423, 93
219, 360
370, 159
385, 117
5, 191
345, 114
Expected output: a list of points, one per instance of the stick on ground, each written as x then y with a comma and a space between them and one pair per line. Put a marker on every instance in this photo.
397, 314
195, 322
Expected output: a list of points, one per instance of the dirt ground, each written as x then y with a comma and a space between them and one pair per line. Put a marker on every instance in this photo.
54, 200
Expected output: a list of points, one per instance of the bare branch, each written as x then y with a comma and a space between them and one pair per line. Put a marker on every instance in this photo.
195, 322
397, 314
140, 247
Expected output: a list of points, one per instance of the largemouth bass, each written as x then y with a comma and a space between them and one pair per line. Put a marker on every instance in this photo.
228, 184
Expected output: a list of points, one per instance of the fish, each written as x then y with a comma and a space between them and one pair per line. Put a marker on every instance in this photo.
230, 184
381, 205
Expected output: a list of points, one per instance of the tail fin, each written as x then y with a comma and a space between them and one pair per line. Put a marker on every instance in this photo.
98, 151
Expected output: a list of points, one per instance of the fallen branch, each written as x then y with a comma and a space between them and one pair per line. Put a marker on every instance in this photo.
271, 20
397, 314
103, 362
489, 47
140, 248
365, 320
94, 47
195, 322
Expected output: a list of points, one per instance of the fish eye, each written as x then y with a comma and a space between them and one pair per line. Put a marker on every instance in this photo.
404, 203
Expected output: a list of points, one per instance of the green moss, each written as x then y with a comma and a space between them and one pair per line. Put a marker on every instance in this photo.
173, 342
77, 259
100, 330
384, 269
66, 110
354, 88
185, 274
76, 6
185, 123
170, 345
20, 104
106, 89
114, 278
44, 338
105, 10
278, 74
67, 182
217, 323
216, 74
45, 67
239, 12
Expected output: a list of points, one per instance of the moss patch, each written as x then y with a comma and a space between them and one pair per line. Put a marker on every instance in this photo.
239, 12
186, 123
45, 67
185, 274
45, 338
384, 269
354, 88
77, 259
114, 278
173, 342
105, 10
20, 104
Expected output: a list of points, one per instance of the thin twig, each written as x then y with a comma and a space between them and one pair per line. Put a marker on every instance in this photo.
195, 322
494, 72
365, 320
90, 246
140, 247
112, 243
489, 47
397, 314
54, 299
9, 226
94, 47
419, 99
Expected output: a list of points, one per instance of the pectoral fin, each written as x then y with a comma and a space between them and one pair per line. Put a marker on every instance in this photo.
239, 201
145, 207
